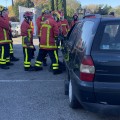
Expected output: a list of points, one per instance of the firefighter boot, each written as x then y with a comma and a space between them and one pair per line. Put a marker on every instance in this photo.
29, 68
38, 68
12, 58
55, 72
4, 67
9, 64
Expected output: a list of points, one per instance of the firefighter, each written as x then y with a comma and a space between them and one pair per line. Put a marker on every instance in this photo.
34, 49
27, 40
38, 22
12, 57
48, 34
56, 16
4, 39
75, 20
64, 25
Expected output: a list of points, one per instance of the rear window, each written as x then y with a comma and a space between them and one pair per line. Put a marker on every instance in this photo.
110, 37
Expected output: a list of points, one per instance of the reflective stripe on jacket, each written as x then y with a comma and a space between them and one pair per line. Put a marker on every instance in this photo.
48, 32
65, 27
4, 31
26, 31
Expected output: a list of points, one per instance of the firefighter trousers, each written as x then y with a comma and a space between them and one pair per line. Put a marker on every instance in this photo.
53, 56
4, 54
27, 57
11, 48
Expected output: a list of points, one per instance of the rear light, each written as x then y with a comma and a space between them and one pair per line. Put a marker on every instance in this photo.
87, 69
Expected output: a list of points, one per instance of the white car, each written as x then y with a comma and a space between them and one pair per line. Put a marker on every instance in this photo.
15, 27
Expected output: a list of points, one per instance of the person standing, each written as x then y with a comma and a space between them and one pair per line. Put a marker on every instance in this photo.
39, 20
12, 57
27, 40
4, 39
75, 20
48, 35
64, 25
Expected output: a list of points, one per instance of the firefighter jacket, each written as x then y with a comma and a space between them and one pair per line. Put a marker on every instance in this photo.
38, 22
72, 23
4, 31
48, 32
65, 27
27, 35
32, 26
10, 31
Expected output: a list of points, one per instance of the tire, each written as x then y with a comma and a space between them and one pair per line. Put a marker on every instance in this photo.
66, 87
73, 102
66, 83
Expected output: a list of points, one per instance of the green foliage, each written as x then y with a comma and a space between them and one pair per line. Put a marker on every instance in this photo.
103, 10
72, 6
117, 11
21, 3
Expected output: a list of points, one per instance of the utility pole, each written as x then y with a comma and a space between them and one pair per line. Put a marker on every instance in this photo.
12, 3
64, 8
52, 4
57, 4
28, 1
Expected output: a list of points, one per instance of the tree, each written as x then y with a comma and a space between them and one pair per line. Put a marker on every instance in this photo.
11, 13
72, 6
103, 10
117, 11
16, 7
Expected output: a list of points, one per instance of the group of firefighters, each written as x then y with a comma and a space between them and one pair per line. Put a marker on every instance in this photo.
50, 26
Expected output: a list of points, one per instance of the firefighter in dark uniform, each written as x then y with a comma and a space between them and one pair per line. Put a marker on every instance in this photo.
75, 20
48, 35
4, 40
38, 22
12, 57
27, 40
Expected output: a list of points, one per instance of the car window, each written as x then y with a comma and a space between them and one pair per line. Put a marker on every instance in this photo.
84, 35
111, 37
73, 34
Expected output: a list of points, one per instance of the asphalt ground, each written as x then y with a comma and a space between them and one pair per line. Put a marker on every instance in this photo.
37, 95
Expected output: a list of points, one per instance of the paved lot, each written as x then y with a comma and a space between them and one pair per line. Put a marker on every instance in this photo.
37, 95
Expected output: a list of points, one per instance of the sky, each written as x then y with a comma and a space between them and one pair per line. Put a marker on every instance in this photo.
6, 2
112, 3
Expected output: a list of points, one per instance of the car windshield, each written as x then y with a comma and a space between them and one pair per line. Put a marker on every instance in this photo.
111, 37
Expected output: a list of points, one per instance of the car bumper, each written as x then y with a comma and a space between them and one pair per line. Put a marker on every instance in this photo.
84, 92
102, 108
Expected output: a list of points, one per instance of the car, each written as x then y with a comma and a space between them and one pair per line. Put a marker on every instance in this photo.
15, 27
92, 57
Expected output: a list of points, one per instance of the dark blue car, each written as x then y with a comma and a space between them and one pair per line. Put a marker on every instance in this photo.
92, 57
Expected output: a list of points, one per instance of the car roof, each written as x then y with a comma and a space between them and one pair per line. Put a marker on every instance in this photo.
94, 17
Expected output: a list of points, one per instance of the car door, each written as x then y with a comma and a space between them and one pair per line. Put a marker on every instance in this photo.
106, 57
82, 45
68, 55
82, 49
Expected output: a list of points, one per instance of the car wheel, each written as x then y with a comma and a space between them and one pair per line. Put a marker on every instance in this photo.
66, 84
73, 102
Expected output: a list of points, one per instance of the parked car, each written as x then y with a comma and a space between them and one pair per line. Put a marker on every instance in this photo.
15, 27
92, 57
